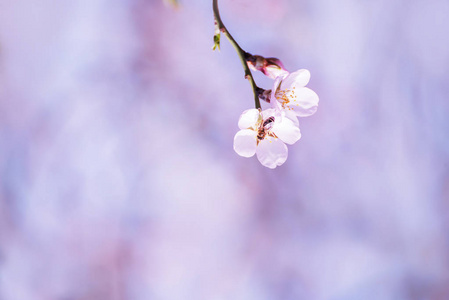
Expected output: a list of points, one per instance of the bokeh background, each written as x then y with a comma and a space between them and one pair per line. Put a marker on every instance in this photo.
118, 178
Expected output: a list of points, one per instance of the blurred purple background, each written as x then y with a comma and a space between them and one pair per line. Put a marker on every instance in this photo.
118, 179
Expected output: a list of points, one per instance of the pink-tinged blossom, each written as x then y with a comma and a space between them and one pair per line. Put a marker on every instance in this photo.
271, 67
292, 95
264, 134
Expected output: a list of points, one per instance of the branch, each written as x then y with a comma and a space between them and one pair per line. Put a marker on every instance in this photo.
241, 53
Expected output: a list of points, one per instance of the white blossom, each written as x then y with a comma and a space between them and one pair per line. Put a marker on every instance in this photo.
265, 134
292, 95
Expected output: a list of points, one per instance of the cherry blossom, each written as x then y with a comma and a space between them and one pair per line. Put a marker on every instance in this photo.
292, 95
265, 134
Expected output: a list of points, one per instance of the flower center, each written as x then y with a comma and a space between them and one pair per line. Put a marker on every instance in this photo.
285, 97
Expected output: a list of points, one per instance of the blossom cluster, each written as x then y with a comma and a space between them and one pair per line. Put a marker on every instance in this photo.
266, 132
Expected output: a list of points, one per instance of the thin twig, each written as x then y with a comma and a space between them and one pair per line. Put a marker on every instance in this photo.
241, 53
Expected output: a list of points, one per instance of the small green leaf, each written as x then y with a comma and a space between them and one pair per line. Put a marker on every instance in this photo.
216, 36
216, 41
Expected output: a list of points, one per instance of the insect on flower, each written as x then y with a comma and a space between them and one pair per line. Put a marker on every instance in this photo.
264, 134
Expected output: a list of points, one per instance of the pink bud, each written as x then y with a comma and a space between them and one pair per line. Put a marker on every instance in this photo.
271, 67
274, 68
256, 62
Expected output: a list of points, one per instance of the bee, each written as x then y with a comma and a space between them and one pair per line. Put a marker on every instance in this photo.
261, 134
264, 127
268, 121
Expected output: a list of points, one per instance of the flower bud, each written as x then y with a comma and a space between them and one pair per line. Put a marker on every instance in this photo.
265, 96
271, 67
256, 62
274, 68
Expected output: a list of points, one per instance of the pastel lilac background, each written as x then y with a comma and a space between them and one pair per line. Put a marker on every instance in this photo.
118, 177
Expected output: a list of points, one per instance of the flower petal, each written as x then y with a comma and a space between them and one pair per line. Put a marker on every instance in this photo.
292, 116
270, 112
271, 152
249, 119
296, 79
286, 130
245, 142
274, 71
305, 103
275, 104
